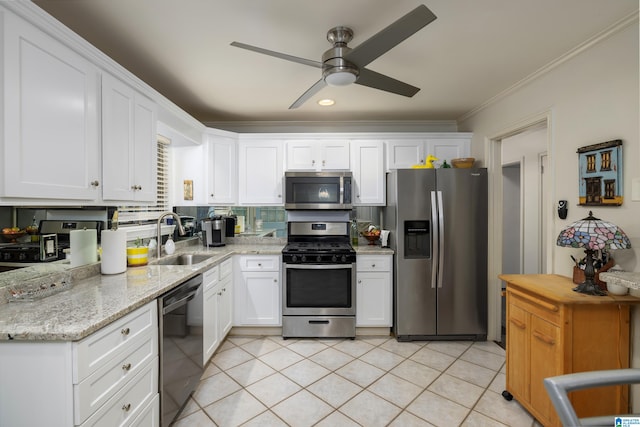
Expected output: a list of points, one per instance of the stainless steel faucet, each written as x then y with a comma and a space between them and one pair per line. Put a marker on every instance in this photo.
176, 218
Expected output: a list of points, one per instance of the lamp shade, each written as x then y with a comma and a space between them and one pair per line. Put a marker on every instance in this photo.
593, 233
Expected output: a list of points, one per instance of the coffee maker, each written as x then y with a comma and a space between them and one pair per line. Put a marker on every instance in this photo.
214, 231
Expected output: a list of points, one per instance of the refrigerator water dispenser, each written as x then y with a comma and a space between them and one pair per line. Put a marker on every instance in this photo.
416, 239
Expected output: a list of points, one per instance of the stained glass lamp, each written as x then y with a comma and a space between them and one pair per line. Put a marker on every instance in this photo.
592, 234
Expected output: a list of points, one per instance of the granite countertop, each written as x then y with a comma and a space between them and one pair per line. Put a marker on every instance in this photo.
629, 279
97, 300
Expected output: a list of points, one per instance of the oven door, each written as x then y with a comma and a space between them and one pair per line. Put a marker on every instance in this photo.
319, 290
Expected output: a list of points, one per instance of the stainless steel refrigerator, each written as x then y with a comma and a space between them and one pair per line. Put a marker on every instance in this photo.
438, 223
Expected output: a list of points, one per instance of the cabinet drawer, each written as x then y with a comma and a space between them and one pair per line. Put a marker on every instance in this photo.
131, 401
150, 416
95, 390
373, 263
260, 263
210, 278
95, 350
226, 268
547, 310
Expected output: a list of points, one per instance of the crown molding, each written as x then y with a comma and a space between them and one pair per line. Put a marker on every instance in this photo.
615, 28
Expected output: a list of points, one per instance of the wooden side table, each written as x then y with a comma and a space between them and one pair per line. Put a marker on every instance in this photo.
552, 330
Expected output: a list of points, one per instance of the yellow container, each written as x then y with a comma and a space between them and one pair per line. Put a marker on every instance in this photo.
137, 256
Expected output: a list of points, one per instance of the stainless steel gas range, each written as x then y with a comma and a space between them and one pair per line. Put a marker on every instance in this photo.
319, 281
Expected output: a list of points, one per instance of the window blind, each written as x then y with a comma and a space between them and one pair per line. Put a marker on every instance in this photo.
150, 213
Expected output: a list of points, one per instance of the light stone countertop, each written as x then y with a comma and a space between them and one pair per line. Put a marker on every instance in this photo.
94, 300
97, 300
629, 279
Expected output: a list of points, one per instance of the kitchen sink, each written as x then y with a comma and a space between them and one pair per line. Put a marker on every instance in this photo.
184, 259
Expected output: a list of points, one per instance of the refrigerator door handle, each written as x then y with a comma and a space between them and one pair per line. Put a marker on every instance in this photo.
435, 240
440, 239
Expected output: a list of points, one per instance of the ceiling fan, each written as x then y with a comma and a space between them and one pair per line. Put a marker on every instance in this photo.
342, 65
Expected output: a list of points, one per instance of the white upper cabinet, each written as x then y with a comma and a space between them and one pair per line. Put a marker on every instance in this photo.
260, 172
129, 143
367, 166
50, 141
222, 170
316, 155
403, 153
188, 182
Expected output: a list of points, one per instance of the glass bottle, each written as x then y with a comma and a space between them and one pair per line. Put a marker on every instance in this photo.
354, 232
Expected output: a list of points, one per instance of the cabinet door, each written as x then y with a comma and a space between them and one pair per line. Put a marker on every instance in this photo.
448, 148
368, 173
334, 155
302, 155
129, 145
222, 182
260, 173
518, 373
225, 307
402, 154
259, 301
546, 361
373, 293
188, 164
211, 326
51, 139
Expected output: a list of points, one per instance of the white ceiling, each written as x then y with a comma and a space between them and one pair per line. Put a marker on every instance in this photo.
473, 51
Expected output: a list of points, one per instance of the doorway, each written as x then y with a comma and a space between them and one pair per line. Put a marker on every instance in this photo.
521, 209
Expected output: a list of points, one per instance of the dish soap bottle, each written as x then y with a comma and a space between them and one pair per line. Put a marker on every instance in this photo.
354, 233
169, 246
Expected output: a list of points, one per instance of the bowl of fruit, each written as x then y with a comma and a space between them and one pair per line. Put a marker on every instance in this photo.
372, 234
11, 234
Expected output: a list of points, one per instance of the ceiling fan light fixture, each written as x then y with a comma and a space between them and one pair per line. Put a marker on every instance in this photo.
340, 76
326, 102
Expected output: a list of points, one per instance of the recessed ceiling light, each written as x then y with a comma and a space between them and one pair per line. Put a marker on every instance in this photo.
326, 102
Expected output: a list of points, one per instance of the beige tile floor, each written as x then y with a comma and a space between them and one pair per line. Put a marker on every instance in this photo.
376, 381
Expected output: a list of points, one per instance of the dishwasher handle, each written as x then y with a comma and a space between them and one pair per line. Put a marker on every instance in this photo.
169, 308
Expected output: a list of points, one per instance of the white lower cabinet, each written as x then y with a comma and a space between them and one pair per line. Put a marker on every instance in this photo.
257, 290
374, 279
217, 309
109, 378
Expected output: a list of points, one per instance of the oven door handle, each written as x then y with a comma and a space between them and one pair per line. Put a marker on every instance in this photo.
319, 266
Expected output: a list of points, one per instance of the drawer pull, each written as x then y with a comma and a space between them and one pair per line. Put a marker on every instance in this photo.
126, 366
518, 324
544, 338
373, 266
125, 331
259, 265
126, 407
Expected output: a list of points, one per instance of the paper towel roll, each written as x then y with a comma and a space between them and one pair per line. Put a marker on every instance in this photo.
84, 249
114, 251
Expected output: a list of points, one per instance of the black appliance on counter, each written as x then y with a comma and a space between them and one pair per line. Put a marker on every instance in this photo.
54, 238
319, 281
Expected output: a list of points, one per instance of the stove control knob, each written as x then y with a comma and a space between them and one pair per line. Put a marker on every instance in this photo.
22, 256
334, 258
294, 258
343, 258
304, 258
319, 258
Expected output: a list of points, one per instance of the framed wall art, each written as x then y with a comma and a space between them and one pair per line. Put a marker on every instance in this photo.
600, 174
188, 189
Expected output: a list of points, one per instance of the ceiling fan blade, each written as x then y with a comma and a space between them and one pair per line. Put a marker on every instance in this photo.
284, 56
380, 43
388, 84
308, 94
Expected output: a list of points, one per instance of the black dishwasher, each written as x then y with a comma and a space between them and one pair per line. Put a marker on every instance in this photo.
180, 343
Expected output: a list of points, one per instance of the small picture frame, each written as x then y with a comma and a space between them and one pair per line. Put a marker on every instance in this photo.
600, 174
188, 189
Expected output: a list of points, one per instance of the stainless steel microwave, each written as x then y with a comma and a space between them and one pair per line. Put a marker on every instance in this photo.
318, 190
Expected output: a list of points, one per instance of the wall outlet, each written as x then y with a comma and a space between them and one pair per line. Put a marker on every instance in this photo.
635, 190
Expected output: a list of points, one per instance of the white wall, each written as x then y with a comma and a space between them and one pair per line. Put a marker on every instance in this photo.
593, 97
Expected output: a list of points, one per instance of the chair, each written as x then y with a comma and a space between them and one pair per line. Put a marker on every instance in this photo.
559, 387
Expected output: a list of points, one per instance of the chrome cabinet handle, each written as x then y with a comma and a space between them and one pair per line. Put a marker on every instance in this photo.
373, 266
126, 366
313, 162
136, 187
359, 281
95, 183
125, 331
323, 163
126, 407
